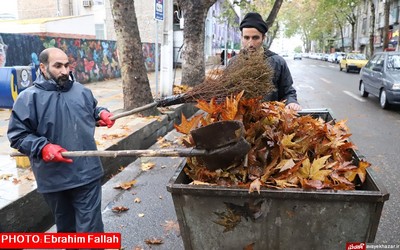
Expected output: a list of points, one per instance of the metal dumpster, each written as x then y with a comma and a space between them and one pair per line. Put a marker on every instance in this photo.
276, 219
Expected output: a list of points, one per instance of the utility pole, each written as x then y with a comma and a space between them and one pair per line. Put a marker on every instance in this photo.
167, 50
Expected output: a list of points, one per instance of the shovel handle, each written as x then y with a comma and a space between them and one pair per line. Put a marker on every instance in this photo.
134, 111
126, 153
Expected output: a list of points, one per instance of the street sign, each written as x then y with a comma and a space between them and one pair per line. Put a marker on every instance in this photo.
159, 10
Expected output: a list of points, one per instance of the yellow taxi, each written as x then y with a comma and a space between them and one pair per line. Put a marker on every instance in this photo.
353, 61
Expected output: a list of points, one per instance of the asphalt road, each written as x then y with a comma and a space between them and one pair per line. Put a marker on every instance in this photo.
375, 131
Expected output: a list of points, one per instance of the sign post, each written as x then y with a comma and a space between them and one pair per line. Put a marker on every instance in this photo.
158, 16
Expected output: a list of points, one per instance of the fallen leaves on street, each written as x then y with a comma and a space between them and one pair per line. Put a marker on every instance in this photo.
125, 185
119, 209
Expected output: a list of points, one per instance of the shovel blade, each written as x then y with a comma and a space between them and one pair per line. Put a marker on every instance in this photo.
225, 139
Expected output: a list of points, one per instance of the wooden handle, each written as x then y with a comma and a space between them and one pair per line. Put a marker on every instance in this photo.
134, 111
125, 153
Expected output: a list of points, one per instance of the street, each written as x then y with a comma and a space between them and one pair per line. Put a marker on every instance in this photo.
374, 131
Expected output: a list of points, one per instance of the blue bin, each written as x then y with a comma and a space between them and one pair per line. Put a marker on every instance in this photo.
13, 80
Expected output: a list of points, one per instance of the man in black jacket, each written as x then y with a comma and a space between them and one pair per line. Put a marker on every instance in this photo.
253, 29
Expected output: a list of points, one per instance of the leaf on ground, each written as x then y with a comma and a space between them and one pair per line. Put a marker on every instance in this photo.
137, 200
119, 209
126, 185
16, 181
113, 136
5, 176
171, 226
153, 241
141, 215
147, 166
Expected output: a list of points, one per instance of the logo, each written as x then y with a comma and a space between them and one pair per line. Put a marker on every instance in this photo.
356, 246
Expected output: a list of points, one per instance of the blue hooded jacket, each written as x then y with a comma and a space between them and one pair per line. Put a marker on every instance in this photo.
64, 115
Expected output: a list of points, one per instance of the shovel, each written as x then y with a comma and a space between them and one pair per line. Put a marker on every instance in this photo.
218, 145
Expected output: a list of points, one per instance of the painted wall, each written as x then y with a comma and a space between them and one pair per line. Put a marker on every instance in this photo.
90, 60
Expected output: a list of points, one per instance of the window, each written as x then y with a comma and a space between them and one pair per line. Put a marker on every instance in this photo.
99, 31
393, 62
371, 63
364, 26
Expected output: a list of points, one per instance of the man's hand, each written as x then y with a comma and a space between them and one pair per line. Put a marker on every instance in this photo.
105, 119
52, 153
293, 106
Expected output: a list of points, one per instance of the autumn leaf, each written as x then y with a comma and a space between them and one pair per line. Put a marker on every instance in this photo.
231, 107
362, 170
187, 125
119, 209
249, 246
315, 171
285, 165
147, 166
137, 200
255, 186
211, 107
141, 215
171, 226
125, 185
112, 136
16, 181
5, 176
153, 241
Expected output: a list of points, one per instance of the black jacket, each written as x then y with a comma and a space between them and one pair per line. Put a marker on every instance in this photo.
65, 116
282, 79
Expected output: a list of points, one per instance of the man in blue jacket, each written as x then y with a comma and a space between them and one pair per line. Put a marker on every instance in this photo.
253, 29
55, 115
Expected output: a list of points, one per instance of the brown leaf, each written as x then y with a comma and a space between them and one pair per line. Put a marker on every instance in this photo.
137, 200
119, 209
147, 166
16, 181
125, 185
5, 176
249, 246
187, 125
153, 241
171, 226
255, 185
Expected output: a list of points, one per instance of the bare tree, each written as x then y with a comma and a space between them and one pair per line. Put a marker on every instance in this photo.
371, 34
193, 65
386, 10
135, 83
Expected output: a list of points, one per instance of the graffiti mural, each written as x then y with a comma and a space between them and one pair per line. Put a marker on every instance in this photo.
90, 60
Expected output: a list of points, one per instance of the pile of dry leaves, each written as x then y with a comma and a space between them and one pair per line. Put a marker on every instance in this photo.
288, 150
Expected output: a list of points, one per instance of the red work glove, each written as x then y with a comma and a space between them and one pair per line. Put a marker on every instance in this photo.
105, 119
52, 153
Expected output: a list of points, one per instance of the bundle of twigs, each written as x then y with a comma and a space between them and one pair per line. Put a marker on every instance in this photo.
247, 71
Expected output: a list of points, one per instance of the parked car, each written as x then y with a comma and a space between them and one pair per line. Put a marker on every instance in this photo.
336, 57
353, 61
297, 56
381, 77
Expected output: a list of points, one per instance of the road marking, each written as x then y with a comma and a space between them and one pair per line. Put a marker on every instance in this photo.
326, 81
354, 96
304, 86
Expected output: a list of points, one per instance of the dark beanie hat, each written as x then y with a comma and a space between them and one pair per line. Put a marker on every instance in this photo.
254, 20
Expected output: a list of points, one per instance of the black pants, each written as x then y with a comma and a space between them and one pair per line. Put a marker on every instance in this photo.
77, 209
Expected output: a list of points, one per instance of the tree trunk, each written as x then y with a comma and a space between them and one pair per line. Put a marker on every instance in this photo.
386, 11
274, 13
193, 61
135, 83
353, 31
371, 34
